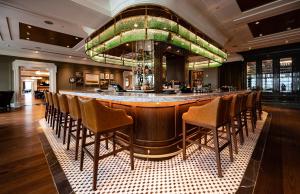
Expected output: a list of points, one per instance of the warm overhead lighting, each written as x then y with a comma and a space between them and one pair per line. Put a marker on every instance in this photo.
169, 47
127, 44
28, 33
260, 34
70, 56
257, 22
136, 25
165, 28
182, 43
84, 58
76, 38
288, 28
36, 77
36, 52
28, 38
41, 73
68, 46
178, 51
28, 26
250, 48
286, 41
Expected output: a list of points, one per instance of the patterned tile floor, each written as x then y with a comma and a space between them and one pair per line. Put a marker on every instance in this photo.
198, 174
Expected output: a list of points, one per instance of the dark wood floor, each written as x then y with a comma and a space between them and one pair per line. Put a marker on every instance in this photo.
280, 167
23, 167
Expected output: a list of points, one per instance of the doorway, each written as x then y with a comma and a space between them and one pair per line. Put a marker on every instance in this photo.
31, 79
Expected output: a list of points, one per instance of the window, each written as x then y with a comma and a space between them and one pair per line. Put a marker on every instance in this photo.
251, 75
267, 75
286, 75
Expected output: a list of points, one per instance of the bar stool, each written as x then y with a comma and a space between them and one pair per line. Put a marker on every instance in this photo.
236, 120
63, 115
251, 109
55, 113
75, 116
50, 108
244, 112
210, 116
103, 120
46, 105
258, 104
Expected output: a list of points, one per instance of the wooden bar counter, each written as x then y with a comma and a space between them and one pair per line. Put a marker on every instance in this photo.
157, 118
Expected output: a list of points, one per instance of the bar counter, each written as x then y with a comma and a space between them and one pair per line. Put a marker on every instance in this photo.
157, 118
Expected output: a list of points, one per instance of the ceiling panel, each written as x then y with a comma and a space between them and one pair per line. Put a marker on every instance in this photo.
275, 24
42, 35
250, 4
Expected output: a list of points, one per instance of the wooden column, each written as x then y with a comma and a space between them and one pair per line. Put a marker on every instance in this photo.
158, 68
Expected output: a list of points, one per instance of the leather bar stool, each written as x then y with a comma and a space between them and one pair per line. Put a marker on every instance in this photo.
63, 115
51, 108
55, 113
210, 117
258, 104
236, 120
46, 105
75, 116
103, 120
251, 109
244, 112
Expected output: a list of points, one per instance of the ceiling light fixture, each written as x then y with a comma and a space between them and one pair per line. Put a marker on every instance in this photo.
76, 38
288, 28
136, 25
165, 28
28, 38
127, 44
28, 26
68, 46
36, 52
250, 48
70, 56
257, 22
28, 33
260, 34
169, 47
178, 51
286, 41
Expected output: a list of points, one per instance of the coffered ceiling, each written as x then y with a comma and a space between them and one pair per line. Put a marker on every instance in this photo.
238, 25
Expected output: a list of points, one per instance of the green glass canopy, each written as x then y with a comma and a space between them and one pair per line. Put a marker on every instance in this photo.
147, 27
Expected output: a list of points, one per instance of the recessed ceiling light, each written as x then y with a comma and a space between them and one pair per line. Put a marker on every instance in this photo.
165, 28
28, 26
169, 47
76, 38
136, 25
127, 44
48, 22
260, 34
257, 22
36, 52
149, 46
68, 46
84, 58
28, 33
178, 51
28, 38
250, 48
288, 28
286, 41
70, 56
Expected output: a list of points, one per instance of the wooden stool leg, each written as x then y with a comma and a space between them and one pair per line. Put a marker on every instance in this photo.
131, 148
240, 127
96, 160
114, 143
183, 140
106, 141
246, 123
69, 133
252, 121
53, 117
58, 124
233, 132
230, 144
77, 138
65, 127
216, 146
82, 147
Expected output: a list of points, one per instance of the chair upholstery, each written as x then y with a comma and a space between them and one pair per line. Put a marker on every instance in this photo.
50, 99
236, 104
63, 103
55, 101
46, 97
102, 118
74, 107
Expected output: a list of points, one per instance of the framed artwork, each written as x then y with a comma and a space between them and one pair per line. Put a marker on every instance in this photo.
92, 79
101, 75
107, 76
111, 76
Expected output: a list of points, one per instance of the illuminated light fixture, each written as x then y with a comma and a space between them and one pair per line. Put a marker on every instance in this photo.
28, 26
28, 33
288, 28
70, 56
76, 38
68, 46
250, 48
136, 25
84, 58
178, 51
127, 44
286, 41
260, 35
169, 47
42, 73
36, 78
257, 22
27, 38
36, 52
165, 28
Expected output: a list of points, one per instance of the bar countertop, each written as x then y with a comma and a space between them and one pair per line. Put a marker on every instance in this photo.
144, 97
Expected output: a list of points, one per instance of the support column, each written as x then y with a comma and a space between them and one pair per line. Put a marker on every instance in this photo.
158, 68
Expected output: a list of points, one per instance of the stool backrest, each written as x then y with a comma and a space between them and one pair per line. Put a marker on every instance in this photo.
63, 103
50, 100
236, 105
74, 107
82, 110
55, 100
258, 97
46, 97
251, 100
244, 101
223, 112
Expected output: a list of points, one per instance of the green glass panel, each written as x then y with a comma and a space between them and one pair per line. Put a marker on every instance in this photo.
106, 34
112, 43
183, 32
161, 23
157, 35
133, 35
175, 40
130, 23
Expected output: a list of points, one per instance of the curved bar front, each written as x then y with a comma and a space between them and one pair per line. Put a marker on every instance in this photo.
157, 119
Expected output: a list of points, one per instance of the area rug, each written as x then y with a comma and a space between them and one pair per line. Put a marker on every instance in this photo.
198, 174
